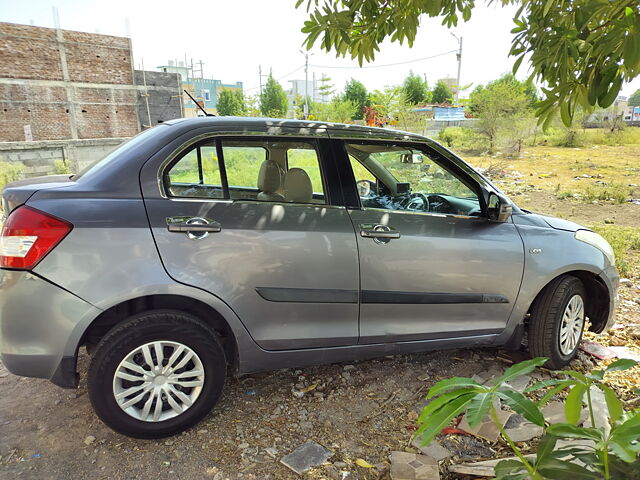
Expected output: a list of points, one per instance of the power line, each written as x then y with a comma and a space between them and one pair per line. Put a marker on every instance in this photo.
388, 64
279, 78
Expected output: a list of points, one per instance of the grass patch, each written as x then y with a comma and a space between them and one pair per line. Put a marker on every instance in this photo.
625, 242
615, 192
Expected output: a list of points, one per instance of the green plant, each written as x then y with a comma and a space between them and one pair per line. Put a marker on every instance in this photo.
10, 172
60, 167
611, 455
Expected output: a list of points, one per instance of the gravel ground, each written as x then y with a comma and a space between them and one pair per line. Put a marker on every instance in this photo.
358, 411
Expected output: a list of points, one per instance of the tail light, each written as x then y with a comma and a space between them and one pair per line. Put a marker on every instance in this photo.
28, 235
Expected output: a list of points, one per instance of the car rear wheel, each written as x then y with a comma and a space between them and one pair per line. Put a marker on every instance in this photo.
557, 321
156, 374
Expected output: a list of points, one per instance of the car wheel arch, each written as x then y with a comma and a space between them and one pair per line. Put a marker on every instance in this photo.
207, 314
598, 300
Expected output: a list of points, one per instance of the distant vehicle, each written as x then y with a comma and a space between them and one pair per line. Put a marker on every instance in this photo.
210, 246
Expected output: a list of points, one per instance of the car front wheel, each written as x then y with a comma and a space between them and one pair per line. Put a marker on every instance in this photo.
156, 374
557, 321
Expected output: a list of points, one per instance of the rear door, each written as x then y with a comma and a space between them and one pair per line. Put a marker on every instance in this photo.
432, 265
288, 268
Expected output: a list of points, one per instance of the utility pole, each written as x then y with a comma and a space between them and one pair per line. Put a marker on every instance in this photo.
260, 76
459, 57
306, 84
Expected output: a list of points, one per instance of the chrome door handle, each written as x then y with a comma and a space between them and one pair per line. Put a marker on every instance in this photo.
379, 233
195, 227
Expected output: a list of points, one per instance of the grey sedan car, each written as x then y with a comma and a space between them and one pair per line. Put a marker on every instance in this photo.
206, 247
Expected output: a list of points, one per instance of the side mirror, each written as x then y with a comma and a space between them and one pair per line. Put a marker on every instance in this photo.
364, 188
498, 208
411, 158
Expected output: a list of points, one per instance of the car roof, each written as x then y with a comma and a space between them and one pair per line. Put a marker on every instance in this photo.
305, 127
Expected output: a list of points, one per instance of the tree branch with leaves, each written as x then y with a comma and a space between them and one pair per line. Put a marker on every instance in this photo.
580, 51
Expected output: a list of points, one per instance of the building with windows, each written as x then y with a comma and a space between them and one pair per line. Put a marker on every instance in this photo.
204, 90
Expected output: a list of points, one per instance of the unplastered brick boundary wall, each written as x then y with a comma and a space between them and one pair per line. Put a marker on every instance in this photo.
39, 158
159, 97
63, 84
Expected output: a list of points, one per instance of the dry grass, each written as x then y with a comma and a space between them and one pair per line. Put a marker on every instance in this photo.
600, 172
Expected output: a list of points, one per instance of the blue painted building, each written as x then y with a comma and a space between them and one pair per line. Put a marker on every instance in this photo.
204, 90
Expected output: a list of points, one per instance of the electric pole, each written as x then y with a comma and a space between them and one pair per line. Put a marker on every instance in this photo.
459, 57
260, 75
306, 86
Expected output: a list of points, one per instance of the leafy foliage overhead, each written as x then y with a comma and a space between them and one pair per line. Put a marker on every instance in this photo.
581, 50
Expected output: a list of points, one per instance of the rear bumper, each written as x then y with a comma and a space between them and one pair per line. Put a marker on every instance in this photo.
37, 321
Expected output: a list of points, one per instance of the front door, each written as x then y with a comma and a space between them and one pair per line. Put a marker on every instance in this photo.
432, 265
253, 220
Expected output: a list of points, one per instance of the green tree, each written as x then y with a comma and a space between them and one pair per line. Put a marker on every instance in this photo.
355, 91
634, 99
501, 107
326, 88
415, 89
273, 100
231, 103
337, 110
442, 93
582, 50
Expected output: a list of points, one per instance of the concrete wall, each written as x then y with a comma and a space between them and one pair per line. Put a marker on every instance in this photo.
40, 158
161, 99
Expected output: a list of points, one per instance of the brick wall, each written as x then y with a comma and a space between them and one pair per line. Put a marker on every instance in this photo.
65, 85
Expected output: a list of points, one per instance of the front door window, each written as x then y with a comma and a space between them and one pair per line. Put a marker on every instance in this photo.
402, 178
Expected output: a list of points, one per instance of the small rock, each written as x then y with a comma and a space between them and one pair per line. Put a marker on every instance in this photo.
349, 367
89, 440
340, 464
298, 394
168, 443
524, 432
202, 432
272, 452
413, 466
306, 456
433, 450
625, 281
609, 221
73, 395
243, 446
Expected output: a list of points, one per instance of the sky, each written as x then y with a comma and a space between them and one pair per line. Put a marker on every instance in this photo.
234, 37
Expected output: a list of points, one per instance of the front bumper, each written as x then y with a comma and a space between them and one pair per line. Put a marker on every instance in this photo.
37, 319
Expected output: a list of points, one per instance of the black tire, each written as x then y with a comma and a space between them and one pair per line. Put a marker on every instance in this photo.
157, 325
546, 320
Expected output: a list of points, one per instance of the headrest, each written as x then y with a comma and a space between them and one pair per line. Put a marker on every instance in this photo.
269, 177
297, 186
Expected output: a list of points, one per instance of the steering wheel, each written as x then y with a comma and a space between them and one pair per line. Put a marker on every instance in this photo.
440, 204
416, 202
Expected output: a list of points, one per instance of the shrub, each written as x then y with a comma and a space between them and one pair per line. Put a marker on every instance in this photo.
10, 172
463, 138
61, 167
